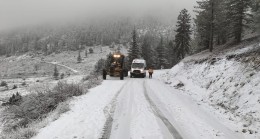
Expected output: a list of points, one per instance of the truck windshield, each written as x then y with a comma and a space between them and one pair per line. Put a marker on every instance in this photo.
137, 65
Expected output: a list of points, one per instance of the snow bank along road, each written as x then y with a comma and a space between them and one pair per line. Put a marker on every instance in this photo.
135, 109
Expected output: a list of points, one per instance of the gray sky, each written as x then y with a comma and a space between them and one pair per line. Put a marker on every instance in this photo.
17, 13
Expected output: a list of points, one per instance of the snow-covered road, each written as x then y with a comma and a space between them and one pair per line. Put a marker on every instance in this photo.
137, 109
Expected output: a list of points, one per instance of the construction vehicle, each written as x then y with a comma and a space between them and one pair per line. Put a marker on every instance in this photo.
116, 67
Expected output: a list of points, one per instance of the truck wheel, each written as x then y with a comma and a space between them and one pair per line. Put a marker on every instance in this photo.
125, 73
121, 75
144, 75
104, 75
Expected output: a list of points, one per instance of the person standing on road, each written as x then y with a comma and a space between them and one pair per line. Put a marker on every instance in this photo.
150, 71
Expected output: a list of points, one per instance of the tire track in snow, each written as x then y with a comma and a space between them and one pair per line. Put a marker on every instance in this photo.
175, 134
109, 112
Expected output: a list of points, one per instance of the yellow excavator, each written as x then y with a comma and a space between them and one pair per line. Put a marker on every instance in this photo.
116, 67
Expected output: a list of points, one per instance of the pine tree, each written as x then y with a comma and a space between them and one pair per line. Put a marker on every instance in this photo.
79, 59
211, 25
161, 55
108, 61
256, 11
172, 58
152, 60
86, 53
147, 52
182, 38
220, 22
257, 21
134, 50
239, 17
202, 23
146, 48
56, 73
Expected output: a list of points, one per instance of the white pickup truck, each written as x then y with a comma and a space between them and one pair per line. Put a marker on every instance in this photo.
138, 68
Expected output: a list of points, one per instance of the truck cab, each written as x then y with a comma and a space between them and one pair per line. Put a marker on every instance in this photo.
138, 68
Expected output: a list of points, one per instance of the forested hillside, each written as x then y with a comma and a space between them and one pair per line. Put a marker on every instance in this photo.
52, 38
225, 21
162, 42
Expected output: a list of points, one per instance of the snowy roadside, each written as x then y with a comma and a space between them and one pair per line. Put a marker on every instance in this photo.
87, 117
227, 88
189, 118
35, 84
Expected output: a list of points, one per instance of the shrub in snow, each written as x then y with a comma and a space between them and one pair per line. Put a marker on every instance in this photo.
63, 107
15, 86
86, 78
24, 83
21, 134
92, 80
100, 65
37, 105
79, 59
8, 55
3, 83
86, 53
15, 99
179, 85
56, 73
91, 50
62, 75
93, 75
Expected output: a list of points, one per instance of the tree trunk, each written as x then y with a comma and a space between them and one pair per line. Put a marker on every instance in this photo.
211, 27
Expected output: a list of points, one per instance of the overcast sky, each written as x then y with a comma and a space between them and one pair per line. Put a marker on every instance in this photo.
16, 13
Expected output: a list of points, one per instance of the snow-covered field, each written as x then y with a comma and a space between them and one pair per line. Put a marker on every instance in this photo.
31, 65
66, 62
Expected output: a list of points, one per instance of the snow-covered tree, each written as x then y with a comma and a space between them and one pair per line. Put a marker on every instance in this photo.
91, 51
146, 48
100, 65
108, 61
172, 58
56, 73
182, 38
86, 53
161, 55
134, 50
148, 52
79, 59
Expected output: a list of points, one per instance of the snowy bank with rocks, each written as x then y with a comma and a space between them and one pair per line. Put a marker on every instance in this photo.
227, 83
